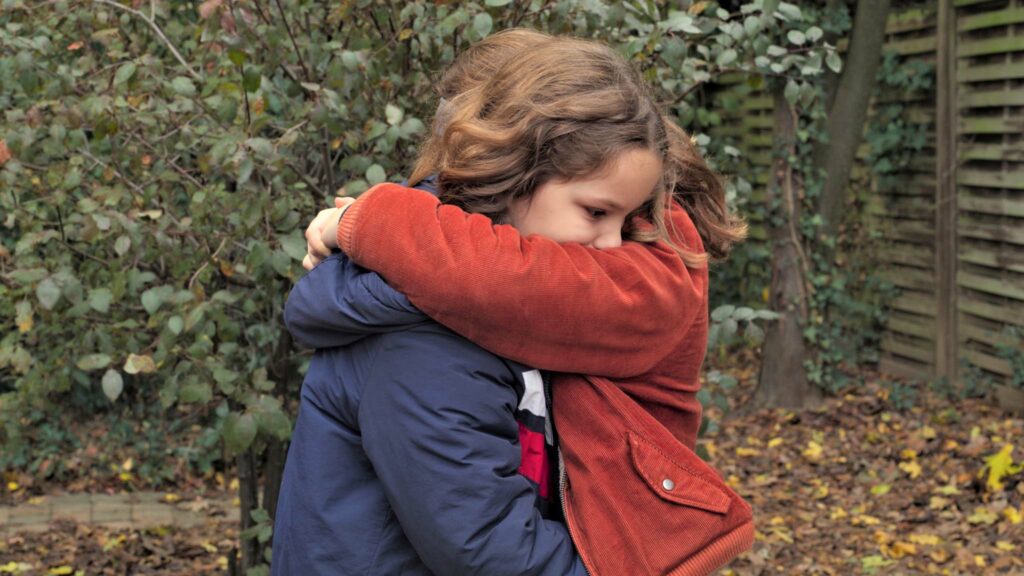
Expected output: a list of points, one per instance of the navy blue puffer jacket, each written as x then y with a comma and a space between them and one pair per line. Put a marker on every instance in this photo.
405, 453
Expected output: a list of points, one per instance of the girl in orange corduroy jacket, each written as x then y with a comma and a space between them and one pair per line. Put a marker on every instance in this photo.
633, 316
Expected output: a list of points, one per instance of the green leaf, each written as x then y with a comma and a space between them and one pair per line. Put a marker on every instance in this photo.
834, 62
497, 3
175, 324
743, 313
727, 57
294, 245
482, 23
124, 73
789, 12
393, 114
122, 244
251, 80
48, 293
112, 384
93, 362
183, 87
722, 312
792, 91
239, 432
261, 146
236, 56
814, 33
796, 37
99, 299
194, 391
152, 299
375, 174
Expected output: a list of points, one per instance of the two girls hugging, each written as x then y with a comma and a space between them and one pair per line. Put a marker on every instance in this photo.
519, 396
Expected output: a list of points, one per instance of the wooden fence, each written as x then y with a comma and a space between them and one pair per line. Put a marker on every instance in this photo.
953, 218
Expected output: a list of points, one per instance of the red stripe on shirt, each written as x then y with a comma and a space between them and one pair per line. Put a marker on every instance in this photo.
534, 464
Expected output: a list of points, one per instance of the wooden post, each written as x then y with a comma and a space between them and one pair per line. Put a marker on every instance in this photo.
946, 353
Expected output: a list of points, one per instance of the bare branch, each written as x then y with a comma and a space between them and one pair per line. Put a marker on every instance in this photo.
156, 28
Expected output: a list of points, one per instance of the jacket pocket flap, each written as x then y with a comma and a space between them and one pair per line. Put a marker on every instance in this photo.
680, 481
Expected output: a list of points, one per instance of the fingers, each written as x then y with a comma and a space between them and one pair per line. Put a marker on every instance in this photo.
315, 247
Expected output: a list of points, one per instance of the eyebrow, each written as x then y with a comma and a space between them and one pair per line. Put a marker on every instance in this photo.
606, 203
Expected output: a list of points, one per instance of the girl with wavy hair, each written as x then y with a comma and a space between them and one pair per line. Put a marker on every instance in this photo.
602, 271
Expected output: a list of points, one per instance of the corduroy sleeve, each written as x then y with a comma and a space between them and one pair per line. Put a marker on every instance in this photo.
561, 307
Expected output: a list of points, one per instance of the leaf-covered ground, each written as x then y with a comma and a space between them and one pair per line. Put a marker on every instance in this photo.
857, 487
77, 549
854, 487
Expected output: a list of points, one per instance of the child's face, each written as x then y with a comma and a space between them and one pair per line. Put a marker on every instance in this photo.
590, 211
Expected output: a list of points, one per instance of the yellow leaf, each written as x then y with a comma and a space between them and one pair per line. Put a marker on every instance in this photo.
774, 442
982, 515
925, 539
881, 537
939, 555
61, 570
938, 502
1000, 465
928, 433
13, 567
881, 489
865, 520
837, 514
776, 520
948, 490
233, 485
741, 451
908, 454
114, 542
901, 549
1013, 516
25, 320
1005, 546
913, 469
712, 448
125, 476
171, 498
405, 34
697, 8
127, 465
813, 451
36, 500
209, 547
13, 486
979, 561
821, 492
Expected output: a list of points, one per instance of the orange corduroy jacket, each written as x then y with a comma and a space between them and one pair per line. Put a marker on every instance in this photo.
637, 499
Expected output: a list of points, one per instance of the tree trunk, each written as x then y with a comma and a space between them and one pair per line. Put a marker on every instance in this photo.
248, 500
783, 379
848, 111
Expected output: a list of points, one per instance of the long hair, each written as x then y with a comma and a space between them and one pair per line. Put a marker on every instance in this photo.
564, 109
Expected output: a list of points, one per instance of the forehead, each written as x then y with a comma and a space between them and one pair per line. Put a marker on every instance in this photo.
628, 181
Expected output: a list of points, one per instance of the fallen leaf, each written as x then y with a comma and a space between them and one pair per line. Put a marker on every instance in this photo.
982, 515
924, 539
913, 469
5, 152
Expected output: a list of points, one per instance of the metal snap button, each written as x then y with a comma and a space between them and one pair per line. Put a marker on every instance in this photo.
668, 484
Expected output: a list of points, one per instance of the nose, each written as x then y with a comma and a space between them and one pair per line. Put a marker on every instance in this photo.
609, 239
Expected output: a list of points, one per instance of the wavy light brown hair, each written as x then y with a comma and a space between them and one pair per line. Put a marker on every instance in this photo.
563, 109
